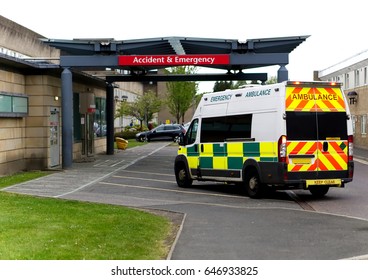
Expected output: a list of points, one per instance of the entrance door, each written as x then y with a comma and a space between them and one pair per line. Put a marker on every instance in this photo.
87, 135
54, 138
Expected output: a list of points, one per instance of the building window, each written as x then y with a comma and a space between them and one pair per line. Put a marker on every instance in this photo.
365, 75
77, 126
99, 125
356, 78
13, 105
354, 121
363, 124
347, 85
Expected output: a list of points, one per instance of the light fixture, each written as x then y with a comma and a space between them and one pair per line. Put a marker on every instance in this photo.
353, 97
56, 98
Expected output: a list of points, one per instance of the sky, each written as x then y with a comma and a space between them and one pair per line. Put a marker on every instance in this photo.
336, 28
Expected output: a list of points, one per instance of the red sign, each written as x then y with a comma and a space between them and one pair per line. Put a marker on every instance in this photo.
171, 60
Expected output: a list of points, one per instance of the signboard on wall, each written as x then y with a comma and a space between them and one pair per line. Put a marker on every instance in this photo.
173, 60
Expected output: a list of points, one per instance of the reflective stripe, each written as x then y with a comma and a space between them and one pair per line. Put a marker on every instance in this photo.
334, 159
309, 99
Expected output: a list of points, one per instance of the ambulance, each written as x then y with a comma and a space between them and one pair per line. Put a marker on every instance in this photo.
289, 135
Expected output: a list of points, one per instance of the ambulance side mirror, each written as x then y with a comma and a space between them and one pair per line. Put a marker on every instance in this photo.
182, 139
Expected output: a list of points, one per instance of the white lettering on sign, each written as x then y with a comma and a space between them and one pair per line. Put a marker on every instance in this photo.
205, 59
193, 60
174, 59
148, 59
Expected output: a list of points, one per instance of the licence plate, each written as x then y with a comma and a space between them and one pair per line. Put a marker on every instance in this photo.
324, 182
301, 161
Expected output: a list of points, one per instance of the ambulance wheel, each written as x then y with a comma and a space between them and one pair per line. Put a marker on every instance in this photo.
182, 176
253, 185
319, 191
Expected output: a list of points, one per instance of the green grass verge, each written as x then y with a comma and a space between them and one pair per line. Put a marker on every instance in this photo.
33, 228
21, 177
51, 229
132, 143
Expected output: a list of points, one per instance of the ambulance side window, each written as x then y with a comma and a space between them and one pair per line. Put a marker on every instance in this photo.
191, 134
240, 126
219, 129
213, 129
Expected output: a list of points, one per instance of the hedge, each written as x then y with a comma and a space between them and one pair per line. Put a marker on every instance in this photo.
126, 134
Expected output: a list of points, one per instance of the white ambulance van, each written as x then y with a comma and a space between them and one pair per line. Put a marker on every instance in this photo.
281, 136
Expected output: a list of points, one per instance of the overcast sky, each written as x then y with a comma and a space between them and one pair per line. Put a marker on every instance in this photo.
337, 28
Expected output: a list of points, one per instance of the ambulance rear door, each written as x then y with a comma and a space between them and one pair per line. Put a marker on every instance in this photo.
317, 136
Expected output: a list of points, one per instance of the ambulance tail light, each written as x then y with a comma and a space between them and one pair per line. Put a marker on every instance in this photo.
282, 148
350, 147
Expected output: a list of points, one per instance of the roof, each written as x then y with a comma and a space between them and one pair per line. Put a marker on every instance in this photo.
102, 53
176, 45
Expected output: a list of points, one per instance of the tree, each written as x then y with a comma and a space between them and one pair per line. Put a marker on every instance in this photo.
222, 85
180, 94
272, 80
144, 107
123, 109
239, 84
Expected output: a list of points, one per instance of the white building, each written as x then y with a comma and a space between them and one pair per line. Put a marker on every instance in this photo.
353, 74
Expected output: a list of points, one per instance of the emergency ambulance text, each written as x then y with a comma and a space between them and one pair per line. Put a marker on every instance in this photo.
258, 93
306, 96
220, 98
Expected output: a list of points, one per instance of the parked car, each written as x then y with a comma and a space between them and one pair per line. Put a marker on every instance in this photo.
162, 132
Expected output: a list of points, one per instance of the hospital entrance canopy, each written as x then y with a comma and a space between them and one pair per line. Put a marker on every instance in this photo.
139, 57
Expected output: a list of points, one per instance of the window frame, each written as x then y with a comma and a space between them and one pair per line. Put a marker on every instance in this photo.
12, 111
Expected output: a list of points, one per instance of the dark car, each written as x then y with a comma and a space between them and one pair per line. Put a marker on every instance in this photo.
162, 132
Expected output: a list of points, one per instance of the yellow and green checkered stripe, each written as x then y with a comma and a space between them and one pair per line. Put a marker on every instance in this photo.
231, 155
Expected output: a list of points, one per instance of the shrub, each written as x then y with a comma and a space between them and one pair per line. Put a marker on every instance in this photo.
126, 134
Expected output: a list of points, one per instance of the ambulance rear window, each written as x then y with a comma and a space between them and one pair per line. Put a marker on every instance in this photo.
316, 125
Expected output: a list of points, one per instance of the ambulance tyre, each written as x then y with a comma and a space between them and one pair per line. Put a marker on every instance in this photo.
182, 176
253, 184
319, 191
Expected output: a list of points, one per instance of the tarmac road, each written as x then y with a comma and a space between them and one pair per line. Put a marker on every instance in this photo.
220, 222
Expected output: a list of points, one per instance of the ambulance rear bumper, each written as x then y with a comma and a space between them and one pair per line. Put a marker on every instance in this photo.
276, 174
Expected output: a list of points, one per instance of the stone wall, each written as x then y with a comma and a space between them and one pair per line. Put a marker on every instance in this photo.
357, 110
12, 130
20, 39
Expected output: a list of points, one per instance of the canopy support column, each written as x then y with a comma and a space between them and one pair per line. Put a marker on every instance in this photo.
282, 74
109, 119
67, 117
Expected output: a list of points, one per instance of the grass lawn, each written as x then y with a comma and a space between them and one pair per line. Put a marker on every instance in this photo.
33, 228
132, 143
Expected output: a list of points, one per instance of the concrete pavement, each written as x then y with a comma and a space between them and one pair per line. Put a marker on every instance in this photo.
250, 229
